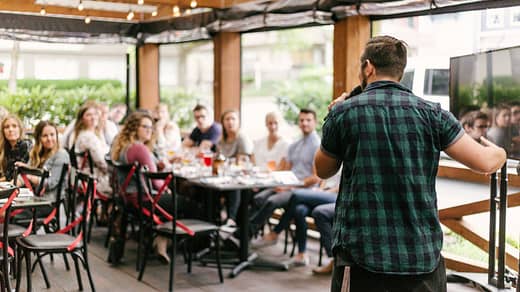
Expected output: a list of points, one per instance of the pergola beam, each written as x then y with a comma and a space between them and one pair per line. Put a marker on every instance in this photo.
28, 6
219, 4
164, 8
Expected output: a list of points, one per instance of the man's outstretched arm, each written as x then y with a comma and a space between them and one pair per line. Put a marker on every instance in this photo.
485, 158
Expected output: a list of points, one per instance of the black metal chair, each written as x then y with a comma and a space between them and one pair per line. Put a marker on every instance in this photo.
64, 240
51, 221
23, 171
188, 230
124, 211
7, 253
83, 162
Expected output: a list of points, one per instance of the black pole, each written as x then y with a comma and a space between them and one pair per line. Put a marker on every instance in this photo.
127, 97
492, 227
502, 228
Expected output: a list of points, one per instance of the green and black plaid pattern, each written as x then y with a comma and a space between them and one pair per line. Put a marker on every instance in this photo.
386, 213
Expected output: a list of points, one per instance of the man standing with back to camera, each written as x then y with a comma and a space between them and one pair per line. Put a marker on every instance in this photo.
387, 235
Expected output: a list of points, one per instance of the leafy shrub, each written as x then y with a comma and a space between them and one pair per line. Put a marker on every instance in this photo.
310, 90
180, 104
57, 105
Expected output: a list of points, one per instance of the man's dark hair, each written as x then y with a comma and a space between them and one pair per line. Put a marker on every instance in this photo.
514, 103
199, 107
386, 54
308, 111
470, 117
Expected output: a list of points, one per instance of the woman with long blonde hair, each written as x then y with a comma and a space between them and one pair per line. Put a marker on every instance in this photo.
47, 154
13, 147
87, 137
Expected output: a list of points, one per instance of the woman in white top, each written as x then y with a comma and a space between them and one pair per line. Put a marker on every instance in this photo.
167, 133
269, 151
87, 136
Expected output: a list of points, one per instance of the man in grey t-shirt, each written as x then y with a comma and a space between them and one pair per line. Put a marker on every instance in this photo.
300, 160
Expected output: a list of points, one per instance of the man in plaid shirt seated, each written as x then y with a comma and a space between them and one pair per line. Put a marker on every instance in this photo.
387, 235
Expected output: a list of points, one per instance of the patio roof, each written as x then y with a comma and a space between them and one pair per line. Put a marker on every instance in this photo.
159, 21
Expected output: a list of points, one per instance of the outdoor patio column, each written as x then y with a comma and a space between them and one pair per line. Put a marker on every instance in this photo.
148, 76
350, 37
226, 84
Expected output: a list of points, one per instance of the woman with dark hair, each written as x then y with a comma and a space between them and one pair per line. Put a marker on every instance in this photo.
47, 154
234, 144
135, 143
12, 147
88, 137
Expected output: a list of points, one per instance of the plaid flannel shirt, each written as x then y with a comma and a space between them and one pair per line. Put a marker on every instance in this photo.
389, 142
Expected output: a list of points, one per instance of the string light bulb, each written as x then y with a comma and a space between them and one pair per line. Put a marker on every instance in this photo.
140, 2
130, 15
80, 5
193, 3
87, 19
187, 12
154, 13
176, 11
42, 11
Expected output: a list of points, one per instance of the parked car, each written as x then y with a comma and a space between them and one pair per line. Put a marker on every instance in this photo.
429, 78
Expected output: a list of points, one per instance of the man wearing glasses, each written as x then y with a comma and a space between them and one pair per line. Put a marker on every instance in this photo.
207, 133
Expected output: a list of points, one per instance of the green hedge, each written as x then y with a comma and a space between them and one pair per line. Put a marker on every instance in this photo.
61, 84
57, 105
310, 90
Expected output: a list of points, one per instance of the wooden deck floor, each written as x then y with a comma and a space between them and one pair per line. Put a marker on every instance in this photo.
123, 277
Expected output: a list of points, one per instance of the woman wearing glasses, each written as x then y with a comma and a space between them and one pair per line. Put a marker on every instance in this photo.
135, 143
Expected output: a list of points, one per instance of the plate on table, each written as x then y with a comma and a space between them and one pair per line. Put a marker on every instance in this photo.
25, 193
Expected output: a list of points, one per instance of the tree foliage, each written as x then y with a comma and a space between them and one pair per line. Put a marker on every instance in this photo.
312, 89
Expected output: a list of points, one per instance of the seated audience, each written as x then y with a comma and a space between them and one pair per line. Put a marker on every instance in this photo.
207, 133
135, 144
47, 154
316, 202
87, 136
500, 131
271, 150
117, 113
108, 127
476, 124
167, 132
234, 144
13, 147
300, 159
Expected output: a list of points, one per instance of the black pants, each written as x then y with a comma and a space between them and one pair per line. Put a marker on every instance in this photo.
365, 281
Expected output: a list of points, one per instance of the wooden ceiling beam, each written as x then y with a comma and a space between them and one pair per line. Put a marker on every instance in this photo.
186, 3
27, 6
164, 8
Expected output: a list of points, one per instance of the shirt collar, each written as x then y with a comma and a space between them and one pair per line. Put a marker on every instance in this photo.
385, 83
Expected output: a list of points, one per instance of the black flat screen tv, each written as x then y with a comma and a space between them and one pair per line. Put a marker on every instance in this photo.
490, 82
